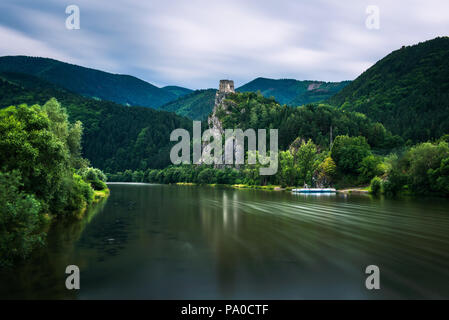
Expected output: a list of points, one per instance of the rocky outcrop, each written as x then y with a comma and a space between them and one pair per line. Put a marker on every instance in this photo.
225, 88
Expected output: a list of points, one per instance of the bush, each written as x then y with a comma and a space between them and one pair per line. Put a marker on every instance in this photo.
98, 185
91, 174
369, 168
376, 185
80, 195
349, 152
19, 220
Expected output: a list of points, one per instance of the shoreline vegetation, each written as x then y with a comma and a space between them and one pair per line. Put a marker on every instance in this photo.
355, 190
350, 166
43, 177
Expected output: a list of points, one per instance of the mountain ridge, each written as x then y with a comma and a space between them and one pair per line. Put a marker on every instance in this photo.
120, 88
407, 91
293, 92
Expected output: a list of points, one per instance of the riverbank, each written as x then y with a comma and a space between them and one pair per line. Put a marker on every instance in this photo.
98, 196
353, 190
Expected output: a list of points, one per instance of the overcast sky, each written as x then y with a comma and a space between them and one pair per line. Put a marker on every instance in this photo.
195, 43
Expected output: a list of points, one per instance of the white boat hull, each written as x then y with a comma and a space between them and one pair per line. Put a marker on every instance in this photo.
315, 190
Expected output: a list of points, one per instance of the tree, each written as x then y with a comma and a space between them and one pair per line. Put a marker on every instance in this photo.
376, 185
325, 172
305, 160
369, 168
19, 220
348, 153
39, 150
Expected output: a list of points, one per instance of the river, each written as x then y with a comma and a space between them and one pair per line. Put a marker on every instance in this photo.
193, 242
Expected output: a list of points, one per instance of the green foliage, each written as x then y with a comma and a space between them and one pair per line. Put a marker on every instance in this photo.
440, 177
376, 185
305, 158
293, 92
369, 168
177, 91
19, 220
407, 91
94, 176
422, 169
207, 176
79, 195
39, 149
326, 172
251, 110
196, 105
349, 152
115, 138
29, 144
123, 89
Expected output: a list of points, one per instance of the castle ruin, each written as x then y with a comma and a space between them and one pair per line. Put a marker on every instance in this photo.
226, 86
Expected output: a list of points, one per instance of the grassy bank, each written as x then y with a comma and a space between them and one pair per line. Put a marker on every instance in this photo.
98, 196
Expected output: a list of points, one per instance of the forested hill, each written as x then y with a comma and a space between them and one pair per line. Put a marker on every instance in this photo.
199, 104
408, 91
312, 121
196, 105
123, 89
115, 137
177, 91
293, 92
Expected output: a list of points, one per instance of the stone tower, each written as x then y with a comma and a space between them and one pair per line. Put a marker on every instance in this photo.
226, 86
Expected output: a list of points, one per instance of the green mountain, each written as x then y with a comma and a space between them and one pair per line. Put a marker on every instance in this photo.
199, 104
408, 91
293, 92
312, 121
115, 137
177, 91
196, 105
123, 89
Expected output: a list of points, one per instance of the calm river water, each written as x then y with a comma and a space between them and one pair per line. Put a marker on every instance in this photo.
189, 242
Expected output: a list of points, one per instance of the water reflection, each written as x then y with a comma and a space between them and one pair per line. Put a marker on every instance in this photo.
157, 241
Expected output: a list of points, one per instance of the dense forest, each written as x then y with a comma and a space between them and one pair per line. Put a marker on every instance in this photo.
115, 137
177, 91
42, 176
302, 164
407, 91
312, 121
196, 105
122, 89
293, 92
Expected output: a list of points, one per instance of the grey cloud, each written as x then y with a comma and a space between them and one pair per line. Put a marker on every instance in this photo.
195, 43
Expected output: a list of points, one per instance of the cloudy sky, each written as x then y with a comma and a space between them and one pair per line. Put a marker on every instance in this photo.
194, 43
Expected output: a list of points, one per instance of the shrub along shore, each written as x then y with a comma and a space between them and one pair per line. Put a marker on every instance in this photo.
43, 177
